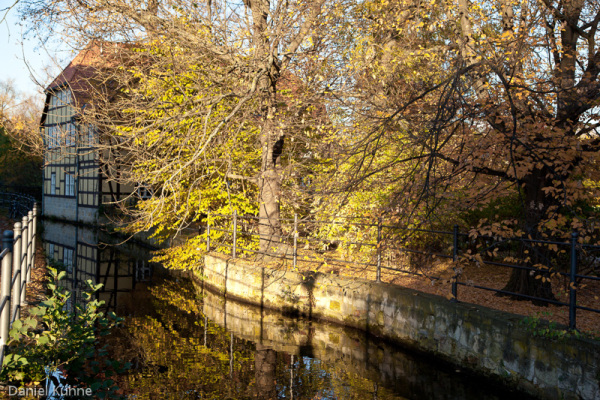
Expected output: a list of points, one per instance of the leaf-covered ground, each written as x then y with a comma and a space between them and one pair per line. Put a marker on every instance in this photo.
488, 276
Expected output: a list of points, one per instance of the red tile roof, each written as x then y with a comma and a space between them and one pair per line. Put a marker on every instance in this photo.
80, 72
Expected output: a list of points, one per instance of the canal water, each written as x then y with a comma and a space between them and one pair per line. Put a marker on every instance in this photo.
184, 342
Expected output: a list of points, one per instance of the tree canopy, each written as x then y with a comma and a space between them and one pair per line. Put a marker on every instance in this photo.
497, 100
213, 99
424, 111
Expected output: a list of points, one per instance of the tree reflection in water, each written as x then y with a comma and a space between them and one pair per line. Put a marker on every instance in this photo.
186, 343
265, 360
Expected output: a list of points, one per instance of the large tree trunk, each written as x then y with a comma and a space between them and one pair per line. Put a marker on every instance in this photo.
528, 282
271, 142
522, 282
270, 191
536, 201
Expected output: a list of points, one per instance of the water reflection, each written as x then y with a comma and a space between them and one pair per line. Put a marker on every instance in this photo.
186, 342
87, 254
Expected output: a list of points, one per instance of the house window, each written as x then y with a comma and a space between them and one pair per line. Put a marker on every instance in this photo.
53, 183
91, 135
61, 98
68, 304
144, 192
70, 133
51, 251
53, 140
66, 96
68, 260
69, 185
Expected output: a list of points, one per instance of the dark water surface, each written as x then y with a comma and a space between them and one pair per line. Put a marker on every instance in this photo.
185, 342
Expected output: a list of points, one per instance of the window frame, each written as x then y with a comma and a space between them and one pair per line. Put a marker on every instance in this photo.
68, 260
91, 135
70, 134
52, 136
51, 251
60, 97
53, 183
69, 184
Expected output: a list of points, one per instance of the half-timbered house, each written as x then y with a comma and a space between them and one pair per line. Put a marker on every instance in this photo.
75, 187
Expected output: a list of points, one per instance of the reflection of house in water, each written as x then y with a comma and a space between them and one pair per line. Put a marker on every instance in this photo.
85, 256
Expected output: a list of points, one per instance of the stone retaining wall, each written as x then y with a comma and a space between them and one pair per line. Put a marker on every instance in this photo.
351, 353
488, 341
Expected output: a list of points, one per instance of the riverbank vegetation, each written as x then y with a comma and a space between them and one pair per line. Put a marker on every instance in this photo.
57, 341
18, 120
480, 114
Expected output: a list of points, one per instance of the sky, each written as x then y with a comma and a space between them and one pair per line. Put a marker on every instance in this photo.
16, 54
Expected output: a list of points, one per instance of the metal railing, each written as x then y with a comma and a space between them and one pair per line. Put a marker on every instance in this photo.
458, 246
17, 260
18, 204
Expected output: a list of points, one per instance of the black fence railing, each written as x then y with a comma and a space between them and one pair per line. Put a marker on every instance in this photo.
17, 204
544, 260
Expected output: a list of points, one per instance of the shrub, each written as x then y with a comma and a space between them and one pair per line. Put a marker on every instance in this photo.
61, 344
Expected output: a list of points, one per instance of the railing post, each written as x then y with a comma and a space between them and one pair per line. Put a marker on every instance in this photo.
13, 208
454, 259
24, 247
16, 265
33, 235
205, 327
231, 355
572, 279
30, 248
207, 232
234, 247
378, 278
7, 240
7, 243
295, 258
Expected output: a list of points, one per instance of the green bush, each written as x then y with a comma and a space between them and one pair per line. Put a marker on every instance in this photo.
55, 339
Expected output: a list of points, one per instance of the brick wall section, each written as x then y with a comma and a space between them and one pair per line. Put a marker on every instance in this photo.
65, 209
488, 341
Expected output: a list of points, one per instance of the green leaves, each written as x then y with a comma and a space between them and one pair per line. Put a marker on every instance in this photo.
15, 359
19, 328
54, 337
42, 340
94, 288
37, 311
